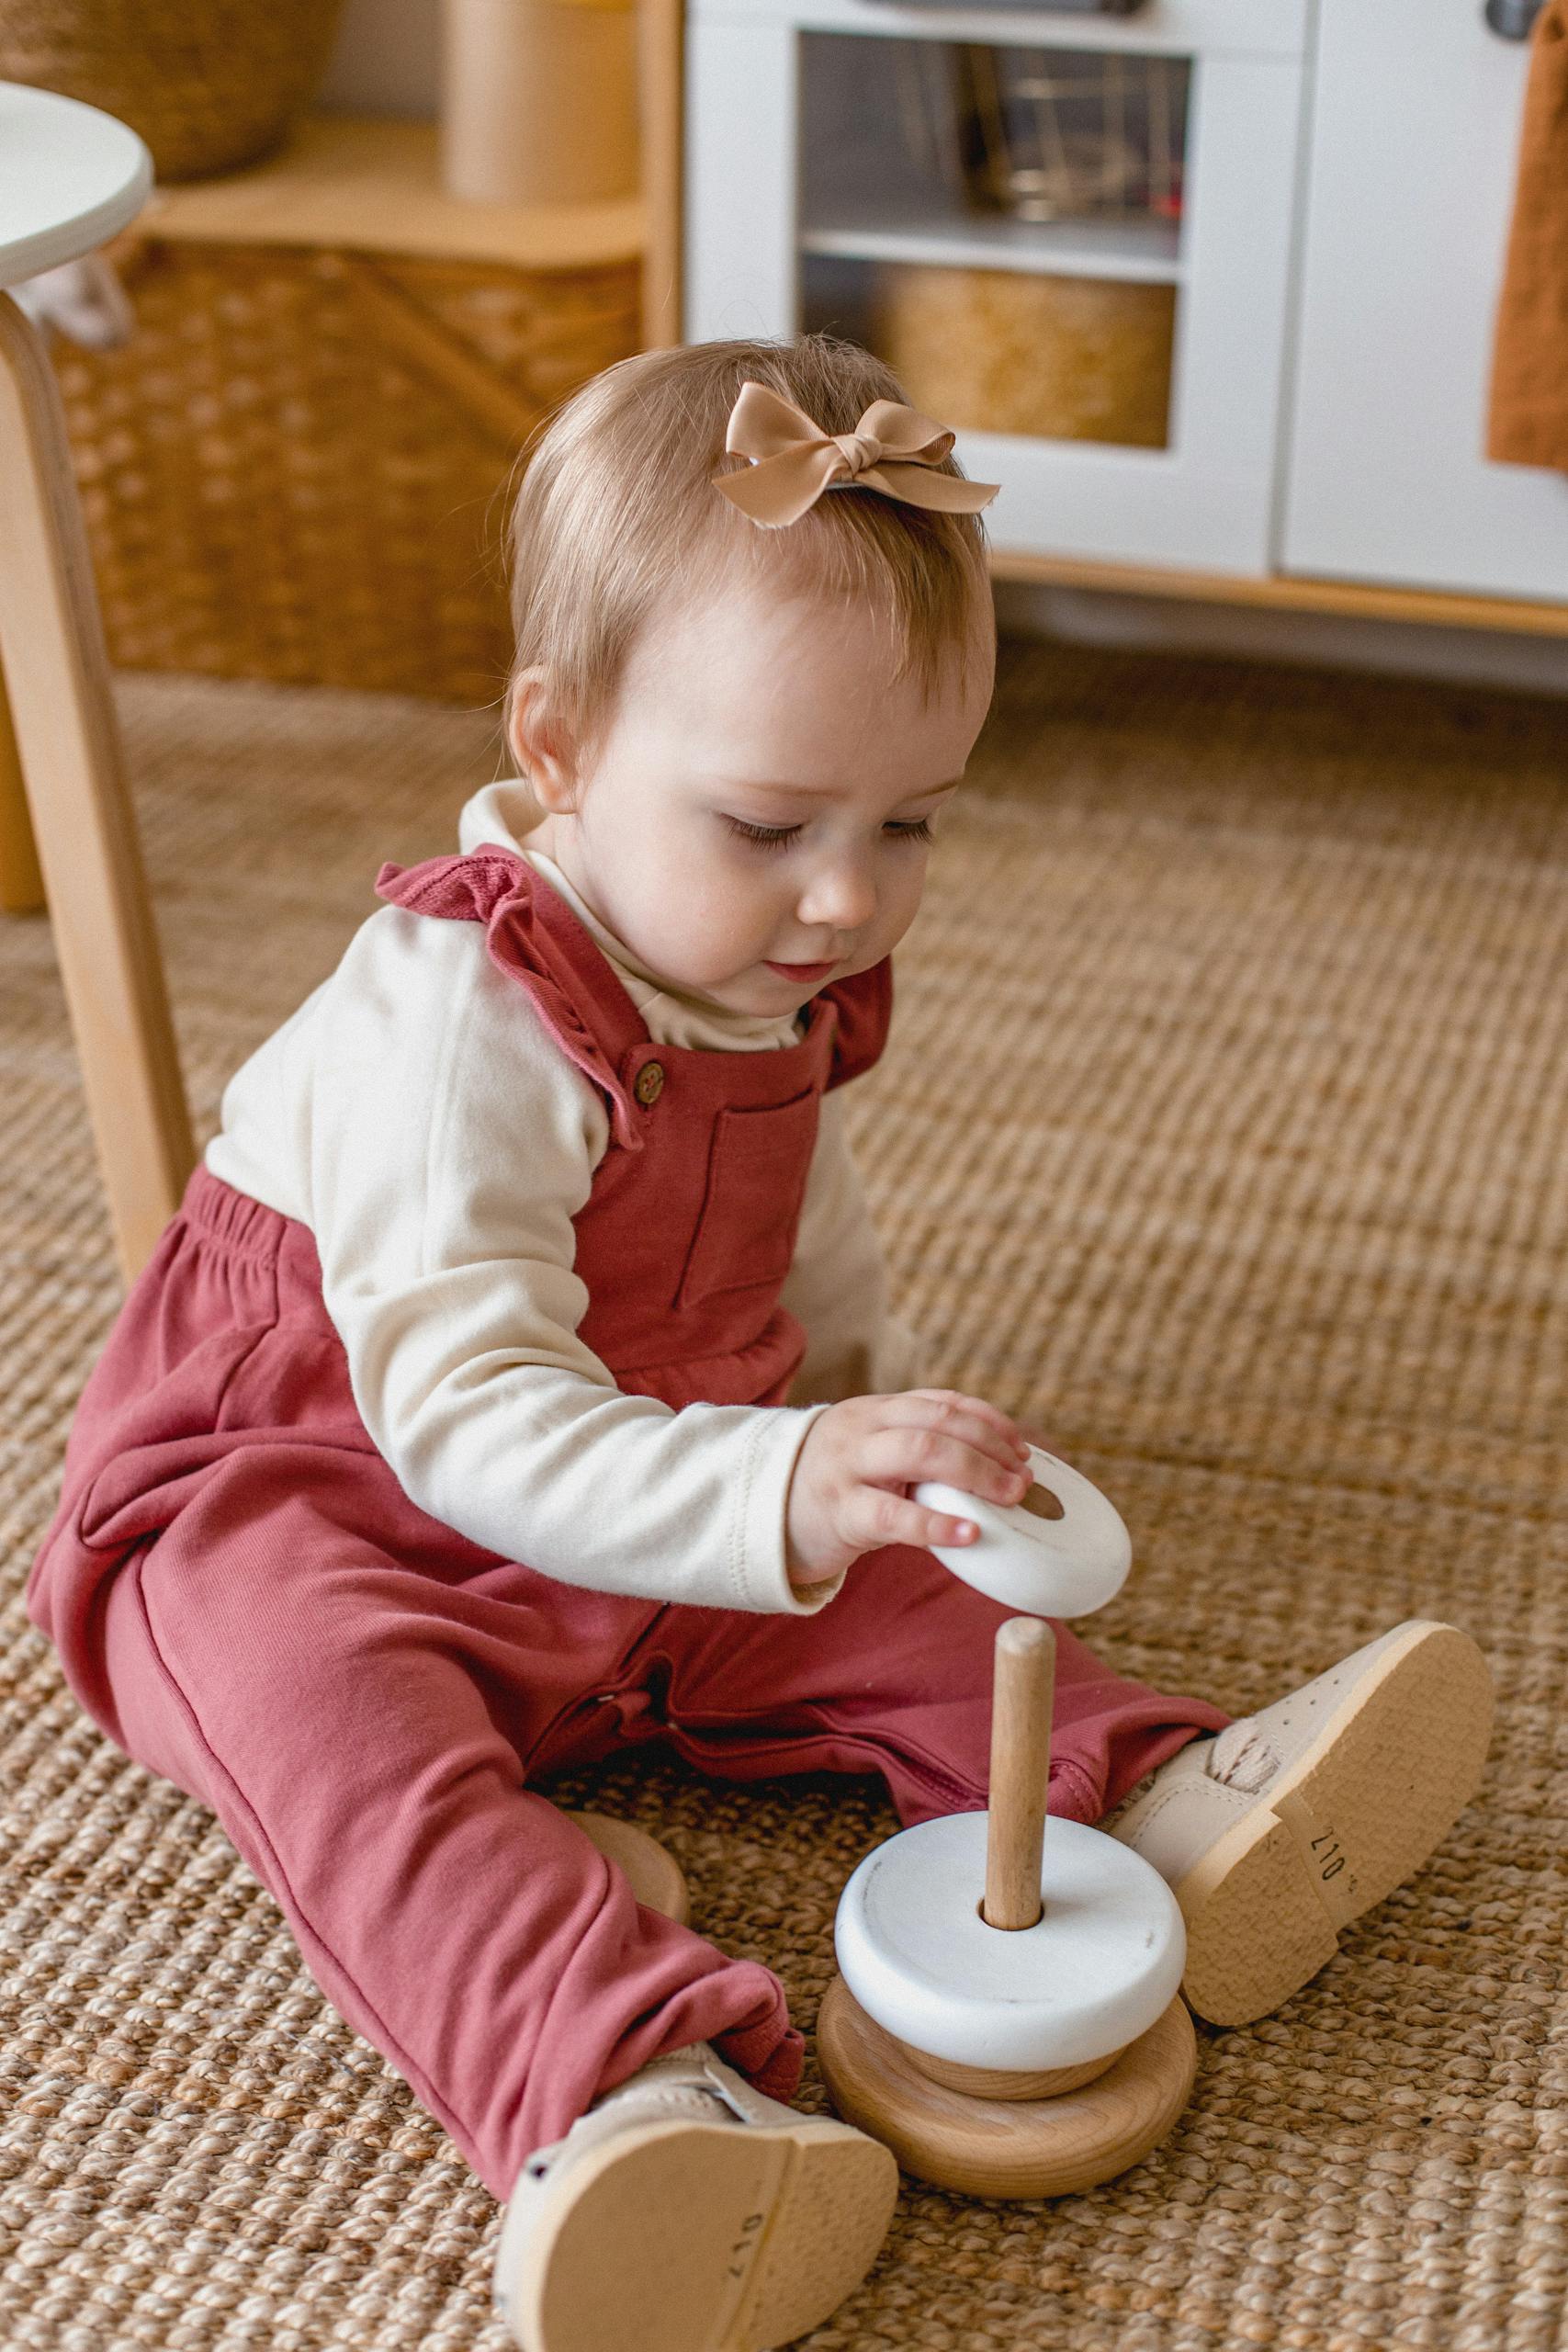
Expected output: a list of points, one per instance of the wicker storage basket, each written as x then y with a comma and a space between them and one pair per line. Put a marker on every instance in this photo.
209, 84
1004, 351
297, 468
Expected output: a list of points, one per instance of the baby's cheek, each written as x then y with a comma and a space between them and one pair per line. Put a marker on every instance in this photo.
896, 913
706, 943
736, 916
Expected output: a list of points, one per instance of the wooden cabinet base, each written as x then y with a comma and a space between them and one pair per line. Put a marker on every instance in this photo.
1005, 2148
1283, 593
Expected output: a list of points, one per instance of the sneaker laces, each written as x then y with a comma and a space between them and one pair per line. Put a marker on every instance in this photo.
1241, 1758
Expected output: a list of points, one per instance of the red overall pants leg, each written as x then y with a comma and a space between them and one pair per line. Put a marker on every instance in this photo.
358, 1726
244, 1600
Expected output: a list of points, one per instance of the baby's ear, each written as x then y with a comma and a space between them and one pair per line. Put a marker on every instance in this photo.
540, 743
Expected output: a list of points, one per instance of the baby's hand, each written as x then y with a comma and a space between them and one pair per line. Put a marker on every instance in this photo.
848, 1494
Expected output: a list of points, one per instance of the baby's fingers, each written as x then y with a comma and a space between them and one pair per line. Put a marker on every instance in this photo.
949, 1412
884, 1517
905, 1457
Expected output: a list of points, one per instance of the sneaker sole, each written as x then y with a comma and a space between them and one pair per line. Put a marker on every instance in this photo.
690, 2237
1355, 1814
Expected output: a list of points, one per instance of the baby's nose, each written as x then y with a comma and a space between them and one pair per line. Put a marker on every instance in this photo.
842, 901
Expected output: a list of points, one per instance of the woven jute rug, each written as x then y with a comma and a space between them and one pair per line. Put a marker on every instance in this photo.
1223, 1134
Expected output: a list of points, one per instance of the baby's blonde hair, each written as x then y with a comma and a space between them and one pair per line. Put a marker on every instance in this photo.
617, 515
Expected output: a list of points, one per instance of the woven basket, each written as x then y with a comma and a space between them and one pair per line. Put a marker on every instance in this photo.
209, 85
297, 469
1006, 351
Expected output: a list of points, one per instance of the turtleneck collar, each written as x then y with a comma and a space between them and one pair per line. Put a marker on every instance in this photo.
504, 814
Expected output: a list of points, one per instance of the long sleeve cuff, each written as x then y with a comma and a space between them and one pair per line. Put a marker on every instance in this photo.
760, 1529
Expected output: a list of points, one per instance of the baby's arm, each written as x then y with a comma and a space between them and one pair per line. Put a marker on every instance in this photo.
836, 1286
451, 1145
857, 1461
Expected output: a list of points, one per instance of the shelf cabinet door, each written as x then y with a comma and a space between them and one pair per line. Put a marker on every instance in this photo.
1414, 142
1206, 497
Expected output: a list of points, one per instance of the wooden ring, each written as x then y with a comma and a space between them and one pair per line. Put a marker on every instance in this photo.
992, 2147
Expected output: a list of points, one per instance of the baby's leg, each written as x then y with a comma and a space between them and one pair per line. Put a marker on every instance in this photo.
1273, 1837
894, 1677
359, 1725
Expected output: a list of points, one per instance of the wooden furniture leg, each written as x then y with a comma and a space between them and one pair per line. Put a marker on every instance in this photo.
661, 67
56, 673
22, 882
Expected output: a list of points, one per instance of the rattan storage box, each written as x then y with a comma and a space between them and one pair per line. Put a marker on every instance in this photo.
297, 468
1008, 351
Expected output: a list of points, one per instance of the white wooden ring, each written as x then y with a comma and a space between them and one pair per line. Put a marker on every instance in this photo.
1049, 1567
1095, 1971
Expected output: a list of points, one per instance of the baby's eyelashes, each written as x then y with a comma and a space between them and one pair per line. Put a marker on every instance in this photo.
765, 836
777, 836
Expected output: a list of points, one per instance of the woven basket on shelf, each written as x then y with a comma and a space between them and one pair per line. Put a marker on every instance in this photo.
1010, 351
297, 468
209, 85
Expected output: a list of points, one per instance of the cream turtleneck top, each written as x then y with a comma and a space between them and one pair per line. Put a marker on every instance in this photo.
415, 1113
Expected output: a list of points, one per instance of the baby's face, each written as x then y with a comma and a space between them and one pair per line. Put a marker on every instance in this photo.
755, 822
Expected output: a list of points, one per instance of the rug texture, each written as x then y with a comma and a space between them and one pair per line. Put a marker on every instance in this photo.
1223, 1134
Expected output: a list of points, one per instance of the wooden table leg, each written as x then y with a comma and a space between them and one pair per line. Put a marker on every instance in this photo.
21, 881
57, 677
660, 72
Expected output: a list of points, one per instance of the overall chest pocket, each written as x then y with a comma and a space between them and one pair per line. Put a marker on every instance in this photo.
758, 1164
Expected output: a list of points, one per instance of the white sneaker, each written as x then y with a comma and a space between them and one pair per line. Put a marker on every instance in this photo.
686, 2212
1289, 1823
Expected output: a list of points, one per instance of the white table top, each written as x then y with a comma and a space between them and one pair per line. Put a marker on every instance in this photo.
71, 177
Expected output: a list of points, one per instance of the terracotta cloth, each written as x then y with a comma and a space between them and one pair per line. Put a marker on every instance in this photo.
244, 1598
1529, 421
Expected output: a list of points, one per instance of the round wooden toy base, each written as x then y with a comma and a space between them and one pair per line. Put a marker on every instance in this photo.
657, 1877
992, 2147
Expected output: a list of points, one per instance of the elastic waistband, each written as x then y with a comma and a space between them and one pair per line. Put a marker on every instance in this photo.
249, 1228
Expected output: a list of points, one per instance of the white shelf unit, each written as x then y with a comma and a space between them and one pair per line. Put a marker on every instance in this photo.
786, 182
1147, 251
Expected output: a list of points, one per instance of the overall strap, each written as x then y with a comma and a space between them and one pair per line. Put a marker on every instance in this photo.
533, 936
864, 1006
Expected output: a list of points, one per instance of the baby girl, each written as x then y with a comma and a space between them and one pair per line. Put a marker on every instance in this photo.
516, 1381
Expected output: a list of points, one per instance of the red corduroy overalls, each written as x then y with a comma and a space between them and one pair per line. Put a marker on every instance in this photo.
244, 1598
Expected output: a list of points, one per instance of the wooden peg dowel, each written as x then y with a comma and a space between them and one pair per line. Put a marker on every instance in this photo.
1021, 1766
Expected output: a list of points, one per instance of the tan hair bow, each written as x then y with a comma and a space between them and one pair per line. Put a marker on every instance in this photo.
893, 449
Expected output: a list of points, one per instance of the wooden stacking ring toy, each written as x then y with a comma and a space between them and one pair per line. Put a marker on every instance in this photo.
1007, 2016
1062, 1551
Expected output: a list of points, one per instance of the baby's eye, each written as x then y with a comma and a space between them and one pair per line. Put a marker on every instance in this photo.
776, 836
765, 836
